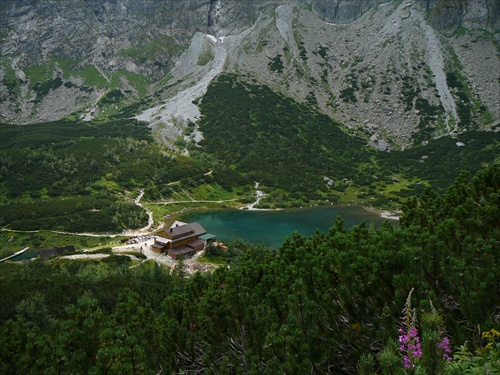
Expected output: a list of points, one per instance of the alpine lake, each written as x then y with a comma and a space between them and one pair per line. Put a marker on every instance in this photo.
272, 227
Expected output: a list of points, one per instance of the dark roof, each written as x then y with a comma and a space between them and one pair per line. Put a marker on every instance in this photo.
186, 231
180, 231
196, 244
45, 253
208, 236
198, 229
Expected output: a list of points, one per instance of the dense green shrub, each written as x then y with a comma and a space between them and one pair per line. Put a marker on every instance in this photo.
348, 95
42, 89
325, 304
117, 260
440, 161
114, 96
453, 81
77, 214
410, 91
11, 82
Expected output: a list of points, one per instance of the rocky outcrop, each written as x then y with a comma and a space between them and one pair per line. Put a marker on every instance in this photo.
387, 73
96, 30
379, 144
342, 11
448, 16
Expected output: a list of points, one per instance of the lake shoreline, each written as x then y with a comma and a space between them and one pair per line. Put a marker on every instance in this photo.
271, 227
384, 214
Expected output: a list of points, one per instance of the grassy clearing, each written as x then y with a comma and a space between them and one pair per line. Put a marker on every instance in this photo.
147, 51
140, 83
212, 192
108, 185
10, 79
91, 76
44, 72
219, 261
349, 196
117, 101
178, 194
39, 73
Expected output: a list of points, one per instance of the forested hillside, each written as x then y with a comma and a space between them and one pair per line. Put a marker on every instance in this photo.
290, 148
328, 304
74, 176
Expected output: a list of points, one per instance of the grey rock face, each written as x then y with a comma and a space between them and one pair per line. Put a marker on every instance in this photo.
379, 144
448, 16
72, 28
342, 11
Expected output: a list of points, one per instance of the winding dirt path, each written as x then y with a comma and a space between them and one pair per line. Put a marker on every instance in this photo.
147, 228
13, 255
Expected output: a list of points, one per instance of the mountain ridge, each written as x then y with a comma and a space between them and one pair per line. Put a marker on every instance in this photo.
376, 66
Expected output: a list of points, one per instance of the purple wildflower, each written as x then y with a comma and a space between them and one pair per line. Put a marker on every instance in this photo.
406, 362
445, 346
409, 341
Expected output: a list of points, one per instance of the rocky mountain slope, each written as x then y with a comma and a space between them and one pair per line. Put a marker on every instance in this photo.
396, 72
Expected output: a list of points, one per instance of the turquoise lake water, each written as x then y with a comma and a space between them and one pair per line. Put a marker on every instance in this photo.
272, 227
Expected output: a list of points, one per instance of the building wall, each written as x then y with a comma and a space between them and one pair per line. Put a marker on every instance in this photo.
156, 250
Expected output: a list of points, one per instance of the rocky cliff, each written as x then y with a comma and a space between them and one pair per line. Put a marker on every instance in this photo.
397, 72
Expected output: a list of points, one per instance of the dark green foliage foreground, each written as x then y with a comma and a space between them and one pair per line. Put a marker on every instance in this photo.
314, 306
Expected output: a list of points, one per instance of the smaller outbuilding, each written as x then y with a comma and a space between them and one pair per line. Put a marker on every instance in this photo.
47, 253
208, 238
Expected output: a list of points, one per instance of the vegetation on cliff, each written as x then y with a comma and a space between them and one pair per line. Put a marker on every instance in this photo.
290, 148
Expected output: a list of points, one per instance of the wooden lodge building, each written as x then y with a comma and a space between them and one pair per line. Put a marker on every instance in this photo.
182, 240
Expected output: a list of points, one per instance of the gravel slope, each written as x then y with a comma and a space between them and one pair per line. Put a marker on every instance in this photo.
170, 117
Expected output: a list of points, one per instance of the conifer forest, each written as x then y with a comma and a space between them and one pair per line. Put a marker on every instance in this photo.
418, 298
